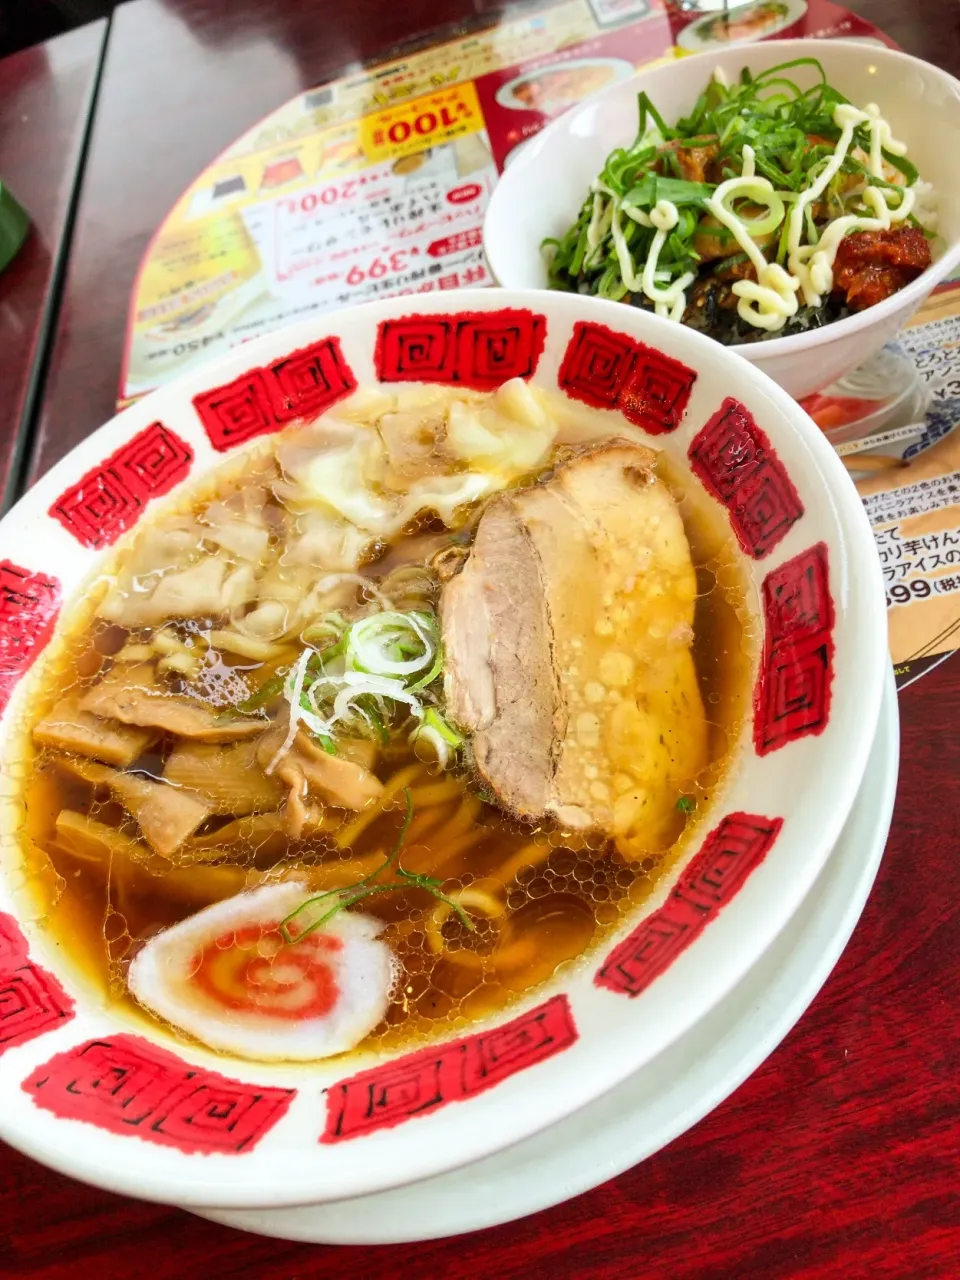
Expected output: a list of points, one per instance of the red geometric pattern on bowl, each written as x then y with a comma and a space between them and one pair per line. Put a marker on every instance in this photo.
110, 497
613, 371
729, 854
129, 1086
737, 464
422, 1082
302, 384
13, 945
31, 1000
478, 349
29, 603
793, 692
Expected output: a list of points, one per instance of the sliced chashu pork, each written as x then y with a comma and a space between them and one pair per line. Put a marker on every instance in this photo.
567, 640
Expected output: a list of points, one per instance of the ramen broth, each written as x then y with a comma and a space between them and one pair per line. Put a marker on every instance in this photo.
536, 897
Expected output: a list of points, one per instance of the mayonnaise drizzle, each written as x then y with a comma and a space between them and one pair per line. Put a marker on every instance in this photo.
599, 224
672, 301
767, 302
664, 216
812, 265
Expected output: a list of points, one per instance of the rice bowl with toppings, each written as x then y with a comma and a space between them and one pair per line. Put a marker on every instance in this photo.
784, 199
768, 210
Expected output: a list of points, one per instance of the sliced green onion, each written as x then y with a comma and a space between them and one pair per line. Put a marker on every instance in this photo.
270, 689
767, 222
677, 190
331, 902
372, 643
647, 108
439, 734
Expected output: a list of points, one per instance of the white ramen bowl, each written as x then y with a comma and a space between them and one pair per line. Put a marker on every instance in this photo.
540, 195
121, 1103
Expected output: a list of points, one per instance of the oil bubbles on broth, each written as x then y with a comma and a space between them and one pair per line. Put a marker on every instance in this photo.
276, 738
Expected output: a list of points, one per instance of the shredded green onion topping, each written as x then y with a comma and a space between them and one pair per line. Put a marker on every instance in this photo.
363, 678
792, 134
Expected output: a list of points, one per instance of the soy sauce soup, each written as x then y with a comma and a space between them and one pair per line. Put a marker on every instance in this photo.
287, 551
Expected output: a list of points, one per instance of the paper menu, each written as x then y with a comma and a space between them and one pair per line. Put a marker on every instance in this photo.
376, 185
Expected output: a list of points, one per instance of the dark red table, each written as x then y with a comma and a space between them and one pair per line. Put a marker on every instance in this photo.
46, 95
840, 1157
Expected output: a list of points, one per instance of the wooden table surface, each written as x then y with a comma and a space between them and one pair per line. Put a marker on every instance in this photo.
45, 99
840, 1156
